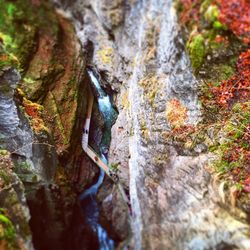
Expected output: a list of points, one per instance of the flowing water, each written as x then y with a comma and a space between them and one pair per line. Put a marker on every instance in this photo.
88, 200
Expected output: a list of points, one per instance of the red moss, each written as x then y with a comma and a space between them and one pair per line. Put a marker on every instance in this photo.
190, 11
234, 160
240, 174
235, 14
31, 111
246, 136
221, 39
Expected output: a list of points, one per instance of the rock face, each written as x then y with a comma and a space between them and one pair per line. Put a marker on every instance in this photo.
8, 115
138, 49
41, 117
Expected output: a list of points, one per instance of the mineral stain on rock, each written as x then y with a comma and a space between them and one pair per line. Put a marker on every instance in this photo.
176, 72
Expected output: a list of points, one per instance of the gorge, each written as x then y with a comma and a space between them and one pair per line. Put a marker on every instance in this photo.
168, 83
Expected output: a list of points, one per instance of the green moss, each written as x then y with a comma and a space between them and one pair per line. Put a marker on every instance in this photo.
223, 72
5, 177
20, 21
114, 166
232, 151
7, 230
4, 152
17, 36
28, 80
23, 167
218, 25
197, 51
226, 72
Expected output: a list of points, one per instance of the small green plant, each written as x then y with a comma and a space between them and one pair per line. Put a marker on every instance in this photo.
28, 80
114, 166
7, 230
23, 166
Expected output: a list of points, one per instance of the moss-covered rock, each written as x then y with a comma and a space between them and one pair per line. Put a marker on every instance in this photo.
44, 47
7, 231
20, 22
197, 51
52, 94
224, 92
14, 217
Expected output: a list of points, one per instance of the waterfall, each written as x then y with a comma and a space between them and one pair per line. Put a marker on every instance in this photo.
88, 197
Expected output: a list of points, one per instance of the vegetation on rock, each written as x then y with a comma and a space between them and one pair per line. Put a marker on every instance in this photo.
223, 27
7, 232
106, 55
12, 211
43, 47
176, 113
35, 114
196, 48
19, 25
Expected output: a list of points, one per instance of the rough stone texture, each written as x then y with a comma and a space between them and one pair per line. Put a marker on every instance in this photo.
119, 152
8, 110
57, 75
174, 204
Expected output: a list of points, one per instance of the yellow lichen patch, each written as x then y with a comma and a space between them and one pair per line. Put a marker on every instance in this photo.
34, 112
160, 159
151, 85
144, 130
125, 101
151, 38
20, 92
176, 113
106, 55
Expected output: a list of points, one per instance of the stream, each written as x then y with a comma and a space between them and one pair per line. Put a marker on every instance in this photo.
89, 203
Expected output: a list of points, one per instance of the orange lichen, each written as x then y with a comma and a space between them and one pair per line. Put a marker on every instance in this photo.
176, 113
34, 112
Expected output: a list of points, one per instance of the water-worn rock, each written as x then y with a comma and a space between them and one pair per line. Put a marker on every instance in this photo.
116, 213
173, 202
